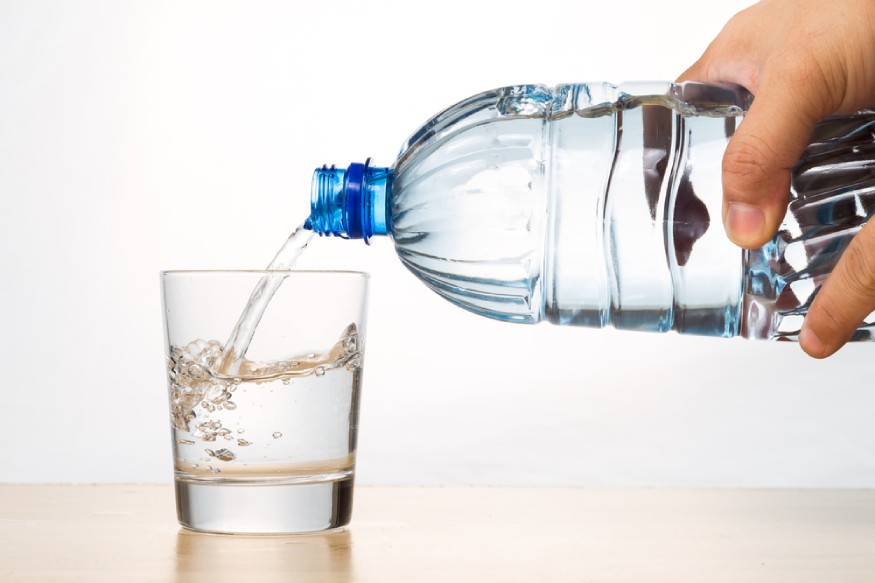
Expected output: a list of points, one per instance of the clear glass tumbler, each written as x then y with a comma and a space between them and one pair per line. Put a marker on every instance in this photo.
264, 375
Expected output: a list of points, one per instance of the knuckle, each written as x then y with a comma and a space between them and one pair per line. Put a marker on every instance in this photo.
803, 66
746, 159
799, 70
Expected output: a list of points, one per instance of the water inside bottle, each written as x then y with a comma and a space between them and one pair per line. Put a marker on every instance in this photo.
601, 205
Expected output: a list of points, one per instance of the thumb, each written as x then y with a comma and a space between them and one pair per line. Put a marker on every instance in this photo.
758, 160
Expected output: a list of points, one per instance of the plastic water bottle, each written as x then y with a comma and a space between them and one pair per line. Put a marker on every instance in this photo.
600, 205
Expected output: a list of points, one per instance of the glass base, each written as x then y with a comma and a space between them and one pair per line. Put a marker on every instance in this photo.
247, 508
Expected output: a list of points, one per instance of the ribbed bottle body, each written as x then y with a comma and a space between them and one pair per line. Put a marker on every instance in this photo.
635, 238
576, 204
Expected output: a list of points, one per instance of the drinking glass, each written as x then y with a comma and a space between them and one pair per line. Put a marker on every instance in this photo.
264, 371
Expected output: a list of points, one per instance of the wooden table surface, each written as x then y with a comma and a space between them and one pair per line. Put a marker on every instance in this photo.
124, 533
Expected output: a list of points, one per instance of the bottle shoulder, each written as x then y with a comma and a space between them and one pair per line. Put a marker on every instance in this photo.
505, 102
584, 99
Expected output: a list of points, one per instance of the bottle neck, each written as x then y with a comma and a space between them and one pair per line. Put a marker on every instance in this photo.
350, 203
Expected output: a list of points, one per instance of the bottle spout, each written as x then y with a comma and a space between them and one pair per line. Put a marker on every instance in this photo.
350, 203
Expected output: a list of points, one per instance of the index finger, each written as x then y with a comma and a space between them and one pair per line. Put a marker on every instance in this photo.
845, 299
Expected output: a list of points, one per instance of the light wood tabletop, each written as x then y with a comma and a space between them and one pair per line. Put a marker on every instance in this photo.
124, 533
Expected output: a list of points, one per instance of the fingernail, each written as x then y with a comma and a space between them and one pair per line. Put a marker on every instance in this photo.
744, 222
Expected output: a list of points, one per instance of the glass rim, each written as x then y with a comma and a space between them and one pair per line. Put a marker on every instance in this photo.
287, 272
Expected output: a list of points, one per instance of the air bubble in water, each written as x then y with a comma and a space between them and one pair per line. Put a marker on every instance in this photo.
196, 371
226, 455
214, 394
277, 434
319, 371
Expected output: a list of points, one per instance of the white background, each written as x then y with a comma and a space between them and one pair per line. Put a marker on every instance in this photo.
143, 136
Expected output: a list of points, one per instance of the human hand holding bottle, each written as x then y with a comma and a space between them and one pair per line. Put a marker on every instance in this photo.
803, 60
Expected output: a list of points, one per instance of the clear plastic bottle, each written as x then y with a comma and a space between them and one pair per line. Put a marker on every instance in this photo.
596, 205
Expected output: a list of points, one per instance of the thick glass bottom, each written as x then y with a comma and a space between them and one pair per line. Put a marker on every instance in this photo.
264, 508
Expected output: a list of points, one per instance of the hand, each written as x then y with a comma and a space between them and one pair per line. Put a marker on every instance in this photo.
803, 60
